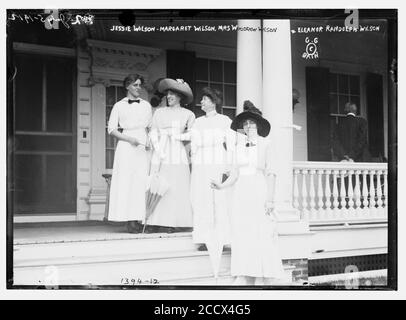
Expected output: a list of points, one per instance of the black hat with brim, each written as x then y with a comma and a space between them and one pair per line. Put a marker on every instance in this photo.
252, 113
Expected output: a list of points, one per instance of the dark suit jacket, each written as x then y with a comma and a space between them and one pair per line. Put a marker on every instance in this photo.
350, 138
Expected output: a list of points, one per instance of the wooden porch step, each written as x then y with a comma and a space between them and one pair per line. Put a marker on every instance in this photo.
114, 248
116, 269
226, 280
157, 260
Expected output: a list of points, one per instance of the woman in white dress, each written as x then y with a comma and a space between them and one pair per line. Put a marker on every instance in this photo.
254, 248
130, 167
170, 158
211, 144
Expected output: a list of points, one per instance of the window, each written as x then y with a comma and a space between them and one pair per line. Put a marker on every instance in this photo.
220, 75
113, 94
343, 88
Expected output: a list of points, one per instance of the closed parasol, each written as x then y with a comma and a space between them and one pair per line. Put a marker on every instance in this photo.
156, 186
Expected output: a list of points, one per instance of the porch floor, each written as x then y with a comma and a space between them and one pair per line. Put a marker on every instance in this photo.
80, 231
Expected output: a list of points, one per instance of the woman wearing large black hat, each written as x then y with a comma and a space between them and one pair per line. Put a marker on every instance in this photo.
255, 256
255, 116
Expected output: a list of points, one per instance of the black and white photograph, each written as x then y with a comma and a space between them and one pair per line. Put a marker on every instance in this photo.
201, 149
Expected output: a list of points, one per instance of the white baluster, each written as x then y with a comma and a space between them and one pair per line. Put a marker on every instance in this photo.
357, 194
327, 193
350, 193
343, 195
296, 190
304, 195
335, 194
320, 202
364, 192
379, 192
312, 195
371, 194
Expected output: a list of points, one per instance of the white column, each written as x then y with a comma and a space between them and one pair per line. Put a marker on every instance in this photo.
277, 108
249, 63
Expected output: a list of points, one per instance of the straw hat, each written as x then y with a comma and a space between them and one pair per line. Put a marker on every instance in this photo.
177, 85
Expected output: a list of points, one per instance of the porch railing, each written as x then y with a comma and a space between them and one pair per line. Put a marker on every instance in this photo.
340, 192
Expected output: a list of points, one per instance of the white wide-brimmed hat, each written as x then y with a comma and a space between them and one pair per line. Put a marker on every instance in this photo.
177, 85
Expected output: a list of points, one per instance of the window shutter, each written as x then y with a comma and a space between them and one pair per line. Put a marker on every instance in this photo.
374, 100
318, 110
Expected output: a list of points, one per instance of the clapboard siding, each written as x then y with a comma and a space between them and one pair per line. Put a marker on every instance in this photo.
84, 137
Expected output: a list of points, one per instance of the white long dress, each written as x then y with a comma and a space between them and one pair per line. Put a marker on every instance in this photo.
131, 165
174, 208
210, 160
254, 238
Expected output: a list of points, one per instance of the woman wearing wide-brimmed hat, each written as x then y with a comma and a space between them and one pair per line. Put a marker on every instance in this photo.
212, 143
254, 249
170, 157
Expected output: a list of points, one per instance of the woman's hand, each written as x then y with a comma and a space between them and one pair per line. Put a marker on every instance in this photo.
216, 185
134, 141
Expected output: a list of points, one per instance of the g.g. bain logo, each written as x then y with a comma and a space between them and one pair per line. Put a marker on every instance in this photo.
311, 49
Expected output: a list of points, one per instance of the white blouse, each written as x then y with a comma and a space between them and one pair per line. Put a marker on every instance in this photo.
133, 118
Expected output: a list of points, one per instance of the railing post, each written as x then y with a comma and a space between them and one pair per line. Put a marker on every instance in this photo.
320, 203
296, 190
379, 193
365, 202
372, 202
343, 195
350, 193
312, 195
328, 194
357, 194
304, 195
335, 195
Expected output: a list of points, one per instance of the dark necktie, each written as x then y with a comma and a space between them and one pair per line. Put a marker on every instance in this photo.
132, 101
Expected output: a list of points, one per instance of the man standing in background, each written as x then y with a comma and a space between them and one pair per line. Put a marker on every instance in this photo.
350, 142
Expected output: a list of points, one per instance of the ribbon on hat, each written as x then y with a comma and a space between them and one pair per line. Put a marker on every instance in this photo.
181, 81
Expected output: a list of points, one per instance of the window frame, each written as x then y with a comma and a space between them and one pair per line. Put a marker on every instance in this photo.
348, 94
222, 83
115, 141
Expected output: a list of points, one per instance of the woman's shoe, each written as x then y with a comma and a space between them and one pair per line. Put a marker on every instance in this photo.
170, 230
151, 229
129, 227
134, 227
